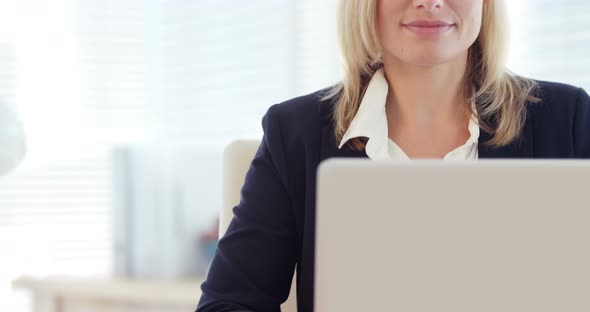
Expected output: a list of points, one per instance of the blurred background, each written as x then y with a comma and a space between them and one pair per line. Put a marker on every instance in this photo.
127, 106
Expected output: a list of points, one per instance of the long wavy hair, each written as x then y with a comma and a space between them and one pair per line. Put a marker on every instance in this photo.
500, 96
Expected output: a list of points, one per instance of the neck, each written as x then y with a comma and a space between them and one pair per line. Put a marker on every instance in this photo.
426, 96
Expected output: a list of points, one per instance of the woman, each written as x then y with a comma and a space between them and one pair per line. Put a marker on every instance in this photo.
423, 79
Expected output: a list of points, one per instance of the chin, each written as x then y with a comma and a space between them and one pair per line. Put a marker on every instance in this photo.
429, 60
432, 55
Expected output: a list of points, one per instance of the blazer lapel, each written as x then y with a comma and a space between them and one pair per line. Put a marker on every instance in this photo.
329, 147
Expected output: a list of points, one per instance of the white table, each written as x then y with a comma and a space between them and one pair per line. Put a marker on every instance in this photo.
66, 294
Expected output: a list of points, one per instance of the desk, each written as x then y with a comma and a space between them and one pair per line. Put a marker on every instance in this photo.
66, 294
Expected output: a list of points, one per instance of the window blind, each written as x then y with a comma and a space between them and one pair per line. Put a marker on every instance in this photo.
550, 40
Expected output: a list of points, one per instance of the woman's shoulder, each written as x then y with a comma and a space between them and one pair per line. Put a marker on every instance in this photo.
557, 97
293, 134
563, 114
302, 115
557, 92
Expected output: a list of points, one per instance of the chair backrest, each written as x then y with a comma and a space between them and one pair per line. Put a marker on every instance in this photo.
236, 161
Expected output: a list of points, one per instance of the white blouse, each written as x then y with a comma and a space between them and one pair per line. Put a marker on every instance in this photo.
371, 121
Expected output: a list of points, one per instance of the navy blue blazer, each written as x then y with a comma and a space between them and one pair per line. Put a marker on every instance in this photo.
273, 228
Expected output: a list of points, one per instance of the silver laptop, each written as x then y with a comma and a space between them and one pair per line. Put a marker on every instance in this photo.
426, 236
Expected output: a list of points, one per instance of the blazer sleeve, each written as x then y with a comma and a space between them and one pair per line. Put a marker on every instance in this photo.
581, 126
254, 262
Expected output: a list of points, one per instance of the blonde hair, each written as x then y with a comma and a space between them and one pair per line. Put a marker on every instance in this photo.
500, 96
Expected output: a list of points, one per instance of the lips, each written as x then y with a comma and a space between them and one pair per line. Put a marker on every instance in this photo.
428, 27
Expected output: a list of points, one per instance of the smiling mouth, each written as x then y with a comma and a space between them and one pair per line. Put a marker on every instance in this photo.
428, 27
